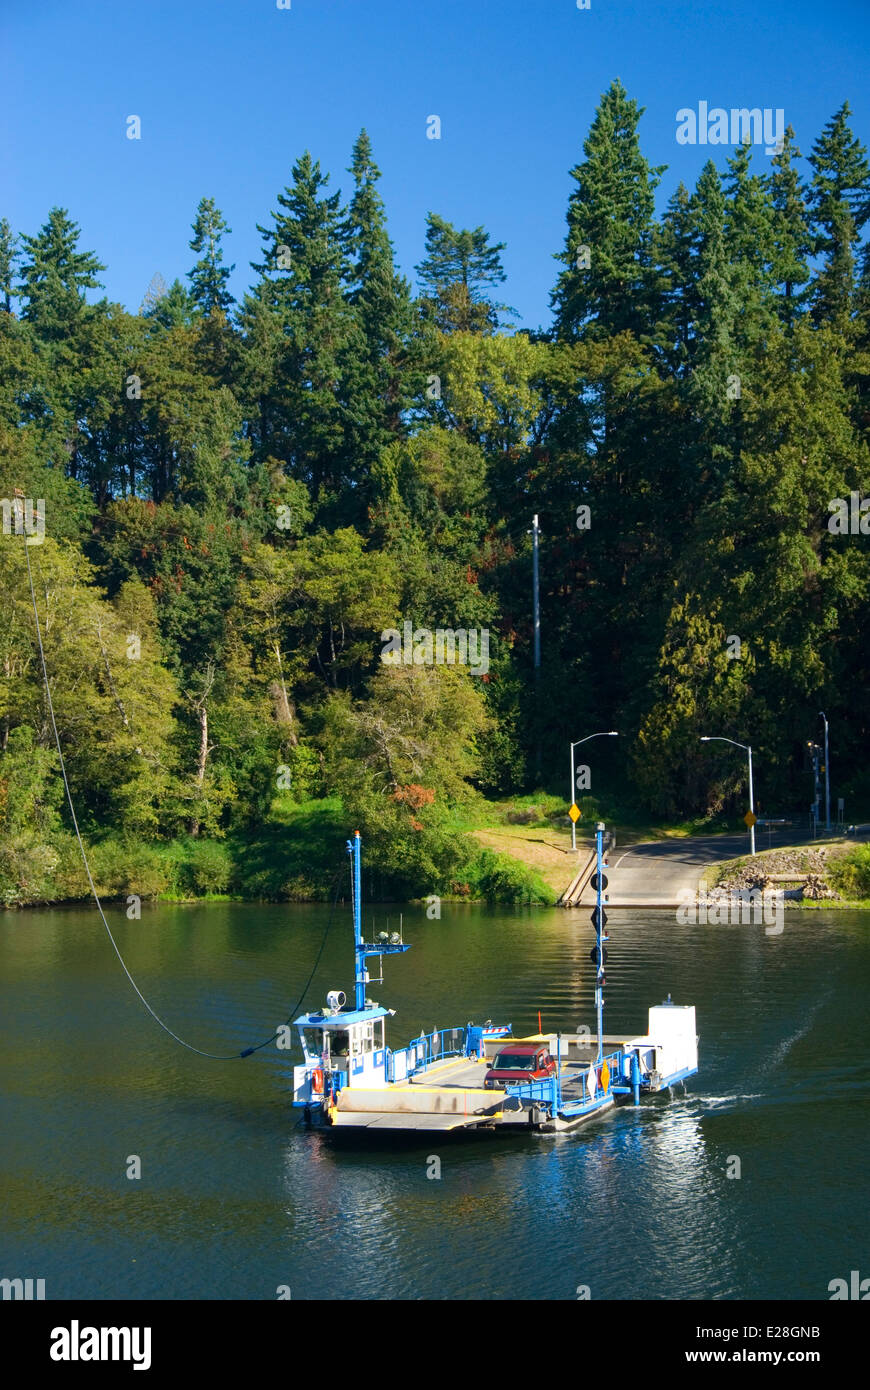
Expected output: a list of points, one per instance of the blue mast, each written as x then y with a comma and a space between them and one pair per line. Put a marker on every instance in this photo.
599, 928
353, 849
361, 950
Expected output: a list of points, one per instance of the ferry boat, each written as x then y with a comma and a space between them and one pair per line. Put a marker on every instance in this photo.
351, 1080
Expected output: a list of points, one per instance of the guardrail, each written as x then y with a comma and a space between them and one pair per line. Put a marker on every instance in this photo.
424, 1052
545, 1090
549, 1090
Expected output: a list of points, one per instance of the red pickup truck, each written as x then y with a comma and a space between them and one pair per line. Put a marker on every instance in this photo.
520, 1062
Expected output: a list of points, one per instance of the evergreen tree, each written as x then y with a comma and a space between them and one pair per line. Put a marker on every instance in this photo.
208, 279
714, 389
378, 361
457, 270
608, 285
55, 276
859, 377
840, 202
792, 241
675, 257
107, 421
8, 257
259, 503
172, 309
749, 247
604, 442
303, 278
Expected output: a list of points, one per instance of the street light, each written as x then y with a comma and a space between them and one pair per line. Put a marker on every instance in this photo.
816, 758
717, 738
606, 733
822, 715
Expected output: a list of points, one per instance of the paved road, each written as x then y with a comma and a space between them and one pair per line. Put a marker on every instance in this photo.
654, 874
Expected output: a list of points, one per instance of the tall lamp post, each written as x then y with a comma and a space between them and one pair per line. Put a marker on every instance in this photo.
536, 606
822, 715
606, 733
717, 738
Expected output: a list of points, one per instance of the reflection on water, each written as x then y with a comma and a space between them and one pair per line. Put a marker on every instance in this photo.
236, 1198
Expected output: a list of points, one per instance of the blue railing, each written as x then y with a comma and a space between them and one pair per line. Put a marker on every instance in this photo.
424, 1052
546, 1090
549, 1090
590, 1099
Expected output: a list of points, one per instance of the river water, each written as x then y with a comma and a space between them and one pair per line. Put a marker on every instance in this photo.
236, 1200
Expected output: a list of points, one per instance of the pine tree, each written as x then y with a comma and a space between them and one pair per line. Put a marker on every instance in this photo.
761, 554
607, 441
749, 247
55, 276
302, 282
457, 270
840, 202
675, 257
714, 387
172, 309
861, 359
608, 284
208, 279
8, 257
377, 363
792, 241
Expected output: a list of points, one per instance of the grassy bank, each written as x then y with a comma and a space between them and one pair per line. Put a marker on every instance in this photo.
509, 851
296, 854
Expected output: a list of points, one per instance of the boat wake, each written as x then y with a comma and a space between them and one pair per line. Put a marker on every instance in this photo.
714, 1102
780, 1052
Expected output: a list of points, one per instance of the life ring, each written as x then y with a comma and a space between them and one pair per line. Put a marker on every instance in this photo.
317, 1081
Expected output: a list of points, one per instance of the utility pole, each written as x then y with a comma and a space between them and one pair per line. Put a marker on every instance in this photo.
822, 715
536, 596
815, 756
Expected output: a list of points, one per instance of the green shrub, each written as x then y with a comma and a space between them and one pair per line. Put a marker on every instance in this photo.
202, 868
850, 875
27, 869
500, 879
118, 867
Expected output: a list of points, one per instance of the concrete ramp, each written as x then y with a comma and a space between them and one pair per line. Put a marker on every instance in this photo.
578, 885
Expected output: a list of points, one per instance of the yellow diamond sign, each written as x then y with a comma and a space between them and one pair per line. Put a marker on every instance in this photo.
750, 818
605, 1077
574, 813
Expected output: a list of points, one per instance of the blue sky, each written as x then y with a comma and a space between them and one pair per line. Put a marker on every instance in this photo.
230, 92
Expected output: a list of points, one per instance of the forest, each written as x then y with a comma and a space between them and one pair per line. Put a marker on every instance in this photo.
242, 499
